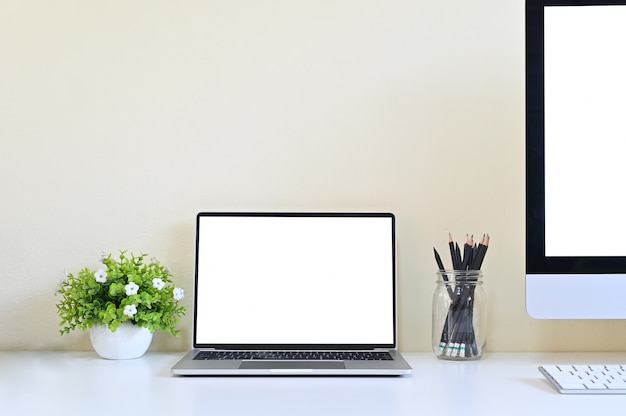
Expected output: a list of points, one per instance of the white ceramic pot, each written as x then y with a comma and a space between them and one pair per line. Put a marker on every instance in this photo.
127, 342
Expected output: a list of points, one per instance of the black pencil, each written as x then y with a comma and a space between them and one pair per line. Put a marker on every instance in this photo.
467, 253
480, 255
443, 275
453, 254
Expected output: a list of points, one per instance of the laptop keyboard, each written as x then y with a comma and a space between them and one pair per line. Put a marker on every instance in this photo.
294, 355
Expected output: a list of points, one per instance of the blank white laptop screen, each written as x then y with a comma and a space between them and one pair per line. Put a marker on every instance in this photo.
292, 280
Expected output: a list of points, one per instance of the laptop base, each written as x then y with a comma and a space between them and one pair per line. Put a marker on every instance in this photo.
187, 366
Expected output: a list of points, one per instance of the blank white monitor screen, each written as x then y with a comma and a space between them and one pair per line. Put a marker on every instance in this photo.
585, 130
292, 279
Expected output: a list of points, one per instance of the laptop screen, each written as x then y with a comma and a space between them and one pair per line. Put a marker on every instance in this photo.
295, 280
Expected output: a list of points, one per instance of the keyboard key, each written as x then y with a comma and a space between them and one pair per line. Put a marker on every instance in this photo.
571, 385
595, 386
617, 384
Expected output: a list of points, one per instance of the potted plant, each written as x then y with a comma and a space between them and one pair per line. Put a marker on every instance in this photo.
122, 304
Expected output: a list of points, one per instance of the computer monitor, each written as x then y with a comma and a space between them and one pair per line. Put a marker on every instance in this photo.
576, 159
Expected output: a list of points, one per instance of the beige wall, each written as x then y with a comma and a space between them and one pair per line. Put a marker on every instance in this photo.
120, 120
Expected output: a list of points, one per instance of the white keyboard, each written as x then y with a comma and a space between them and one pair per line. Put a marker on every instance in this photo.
586, 379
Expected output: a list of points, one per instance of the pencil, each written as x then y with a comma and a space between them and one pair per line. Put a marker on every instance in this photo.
480, 255
467, 252
453, 253
443, 275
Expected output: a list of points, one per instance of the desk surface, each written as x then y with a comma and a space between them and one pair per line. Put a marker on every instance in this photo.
67, 383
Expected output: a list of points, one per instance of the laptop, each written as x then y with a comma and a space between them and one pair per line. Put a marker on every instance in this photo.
294, 294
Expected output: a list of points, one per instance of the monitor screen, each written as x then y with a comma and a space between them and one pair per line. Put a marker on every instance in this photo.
575, 170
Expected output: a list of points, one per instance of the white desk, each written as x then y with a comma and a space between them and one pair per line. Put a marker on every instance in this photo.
72, 383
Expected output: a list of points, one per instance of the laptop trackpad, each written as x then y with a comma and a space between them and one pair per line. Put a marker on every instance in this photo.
291, 365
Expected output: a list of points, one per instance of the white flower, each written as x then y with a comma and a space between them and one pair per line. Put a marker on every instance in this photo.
131, 288
158, 283
179, 293
130, 310
101, 276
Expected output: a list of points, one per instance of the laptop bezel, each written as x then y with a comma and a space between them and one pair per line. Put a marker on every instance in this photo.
300, 347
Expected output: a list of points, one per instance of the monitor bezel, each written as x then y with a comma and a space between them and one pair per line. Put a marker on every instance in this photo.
537, 262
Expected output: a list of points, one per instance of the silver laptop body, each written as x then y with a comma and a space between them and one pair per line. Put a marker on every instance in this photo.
294, 294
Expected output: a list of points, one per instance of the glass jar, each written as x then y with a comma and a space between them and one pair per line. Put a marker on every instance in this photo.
459, 326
